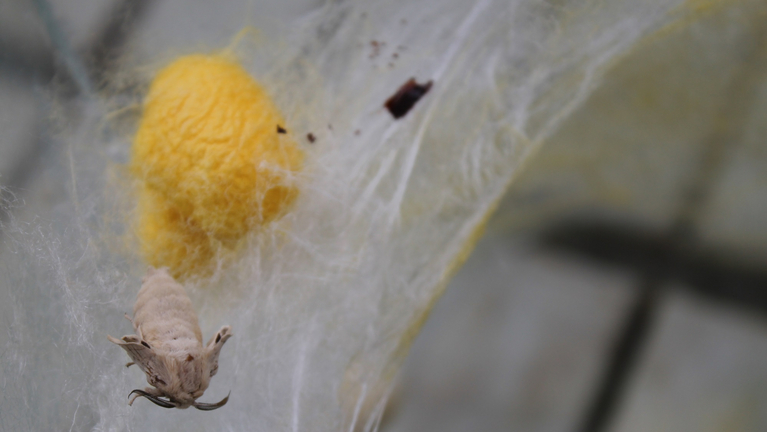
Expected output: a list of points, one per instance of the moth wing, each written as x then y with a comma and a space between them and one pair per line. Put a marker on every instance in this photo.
214, 348
145, 358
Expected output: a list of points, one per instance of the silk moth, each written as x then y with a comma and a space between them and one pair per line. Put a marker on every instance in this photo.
167, 345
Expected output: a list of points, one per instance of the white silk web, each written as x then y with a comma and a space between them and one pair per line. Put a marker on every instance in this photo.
323, 303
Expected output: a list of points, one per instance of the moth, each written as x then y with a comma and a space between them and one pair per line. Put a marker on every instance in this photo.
167, 345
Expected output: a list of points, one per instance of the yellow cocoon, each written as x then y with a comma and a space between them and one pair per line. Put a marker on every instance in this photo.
212, 162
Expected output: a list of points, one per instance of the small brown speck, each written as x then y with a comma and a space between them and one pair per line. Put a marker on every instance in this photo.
376, 48
357, 132
403, 21
330, 126
310, 137
395, 55
281, 130
189, 358
145, 344
401, 102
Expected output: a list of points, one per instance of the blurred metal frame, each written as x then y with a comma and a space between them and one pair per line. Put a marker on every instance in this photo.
674, 255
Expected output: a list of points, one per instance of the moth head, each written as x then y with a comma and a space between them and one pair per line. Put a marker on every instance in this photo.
176, 382
187, 378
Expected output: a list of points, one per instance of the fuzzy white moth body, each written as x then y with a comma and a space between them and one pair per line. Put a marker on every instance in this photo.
167, 345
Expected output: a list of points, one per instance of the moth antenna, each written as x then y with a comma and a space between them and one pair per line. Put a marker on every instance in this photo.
210, 407
156, 400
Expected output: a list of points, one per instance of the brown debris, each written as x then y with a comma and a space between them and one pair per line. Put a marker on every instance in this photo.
377, 46
310, 136
401, 102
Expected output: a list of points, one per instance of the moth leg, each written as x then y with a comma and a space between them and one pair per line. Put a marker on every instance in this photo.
129, 319
129, 364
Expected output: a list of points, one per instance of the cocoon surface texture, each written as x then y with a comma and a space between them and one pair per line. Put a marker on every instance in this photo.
337, 249
212, 162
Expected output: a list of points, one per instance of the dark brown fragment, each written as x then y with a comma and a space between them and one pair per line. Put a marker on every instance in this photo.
145, 344
310, 137
281, 130
401, 102
189, 358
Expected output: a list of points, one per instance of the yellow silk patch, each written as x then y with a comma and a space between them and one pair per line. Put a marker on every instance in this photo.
213, 162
